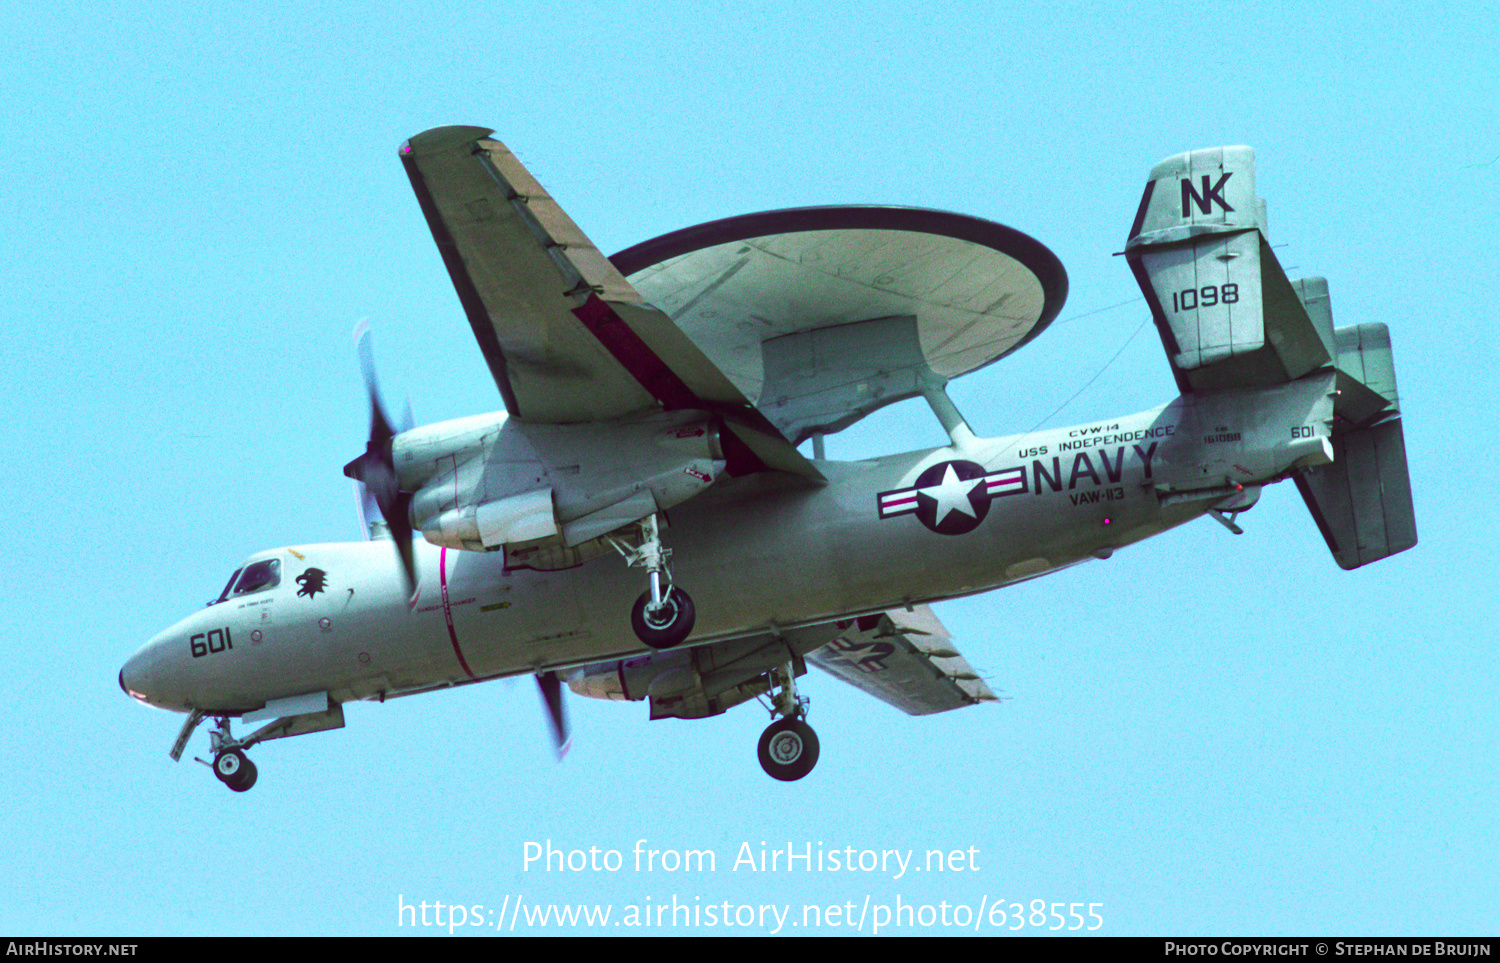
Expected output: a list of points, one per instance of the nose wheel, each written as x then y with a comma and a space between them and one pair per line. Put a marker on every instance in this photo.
234, 770
230, 764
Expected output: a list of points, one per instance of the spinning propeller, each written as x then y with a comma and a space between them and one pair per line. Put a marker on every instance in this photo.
376, 469
551, 686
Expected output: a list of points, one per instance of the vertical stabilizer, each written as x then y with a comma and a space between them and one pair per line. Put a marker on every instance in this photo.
1230, 319
1362, 502
1227, 315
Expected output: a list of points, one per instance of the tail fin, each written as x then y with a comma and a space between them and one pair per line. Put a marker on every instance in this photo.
1362, 501
1229, 318
1361, 354
1227, 314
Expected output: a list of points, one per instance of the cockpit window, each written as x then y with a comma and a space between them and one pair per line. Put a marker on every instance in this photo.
227, 586
259, 576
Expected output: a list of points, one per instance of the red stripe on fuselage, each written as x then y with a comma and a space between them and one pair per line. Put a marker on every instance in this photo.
448, 611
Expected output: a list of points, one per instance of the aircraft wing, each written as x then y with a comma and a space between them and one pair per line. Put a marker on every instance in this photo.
905, 659
567, 338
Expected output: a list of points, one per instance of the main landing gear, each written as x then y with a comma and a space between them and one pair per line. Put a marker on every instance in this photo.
230, 763
663, 616
788, 748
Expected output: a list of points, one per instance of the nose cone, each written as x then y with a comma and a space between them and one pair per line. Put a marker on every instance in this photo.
136, 669
144, 674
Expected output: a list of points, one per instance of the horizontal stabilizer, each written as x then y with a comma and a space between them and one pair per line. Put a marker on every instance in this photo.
1362, 501
1227, 315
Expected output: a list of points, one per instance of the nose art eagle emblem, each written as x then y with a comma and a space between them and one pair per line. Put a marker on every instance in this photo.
313, 581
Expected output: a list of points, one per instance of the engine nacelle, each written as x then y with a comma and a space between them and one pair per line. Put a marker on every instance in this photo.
518, 518
703, 681
483, 483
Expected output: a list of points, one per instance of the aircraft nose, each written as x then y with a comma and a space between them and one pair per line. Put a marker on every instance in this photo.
133, 667
159, 673
135, 675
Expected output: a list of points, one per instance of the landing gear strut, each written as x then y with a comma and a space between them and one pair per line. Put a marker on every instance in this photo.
230, 764
663, 616
788, 748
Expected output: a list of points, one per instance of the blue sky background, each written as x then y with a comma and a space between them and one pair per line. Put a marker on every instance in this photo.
1207, 734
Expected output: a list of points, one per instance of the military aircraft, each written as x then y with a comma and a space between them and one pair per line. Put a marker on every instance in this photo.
640, 522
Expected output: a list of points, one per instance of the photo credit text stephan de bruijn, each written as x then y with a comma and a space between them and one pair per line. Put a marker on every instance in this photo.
860, 909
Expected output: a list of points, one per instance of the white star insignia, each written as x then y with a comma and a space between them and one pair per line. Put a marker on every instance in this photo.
952, 495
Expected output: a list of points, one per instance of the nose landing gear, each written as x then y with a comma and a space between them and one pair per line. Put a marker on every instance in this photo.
234, 770
230, 764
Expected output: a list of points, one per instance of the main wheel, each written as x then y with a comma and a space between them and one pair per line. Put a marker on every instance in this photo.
788, 749
234, 770
669, 625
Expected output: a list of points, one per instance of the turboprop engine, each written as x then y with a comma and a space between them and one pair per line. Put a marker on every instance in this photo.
698, 682
485, 482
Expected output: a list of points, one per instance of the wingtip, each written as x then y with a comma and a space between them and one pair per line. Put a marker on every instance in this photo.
441, 138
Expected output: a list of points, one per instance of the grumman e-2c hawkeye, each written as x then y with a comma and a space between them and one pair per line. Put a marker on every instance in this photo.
658, 397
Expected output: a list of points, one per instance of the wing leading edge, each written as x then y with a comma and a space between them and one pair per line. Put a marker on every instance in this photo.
566, 337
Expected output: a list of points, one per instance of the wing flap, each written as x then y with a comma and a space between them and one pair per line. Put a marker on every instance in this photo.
905, 659
576, 341
576, 257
